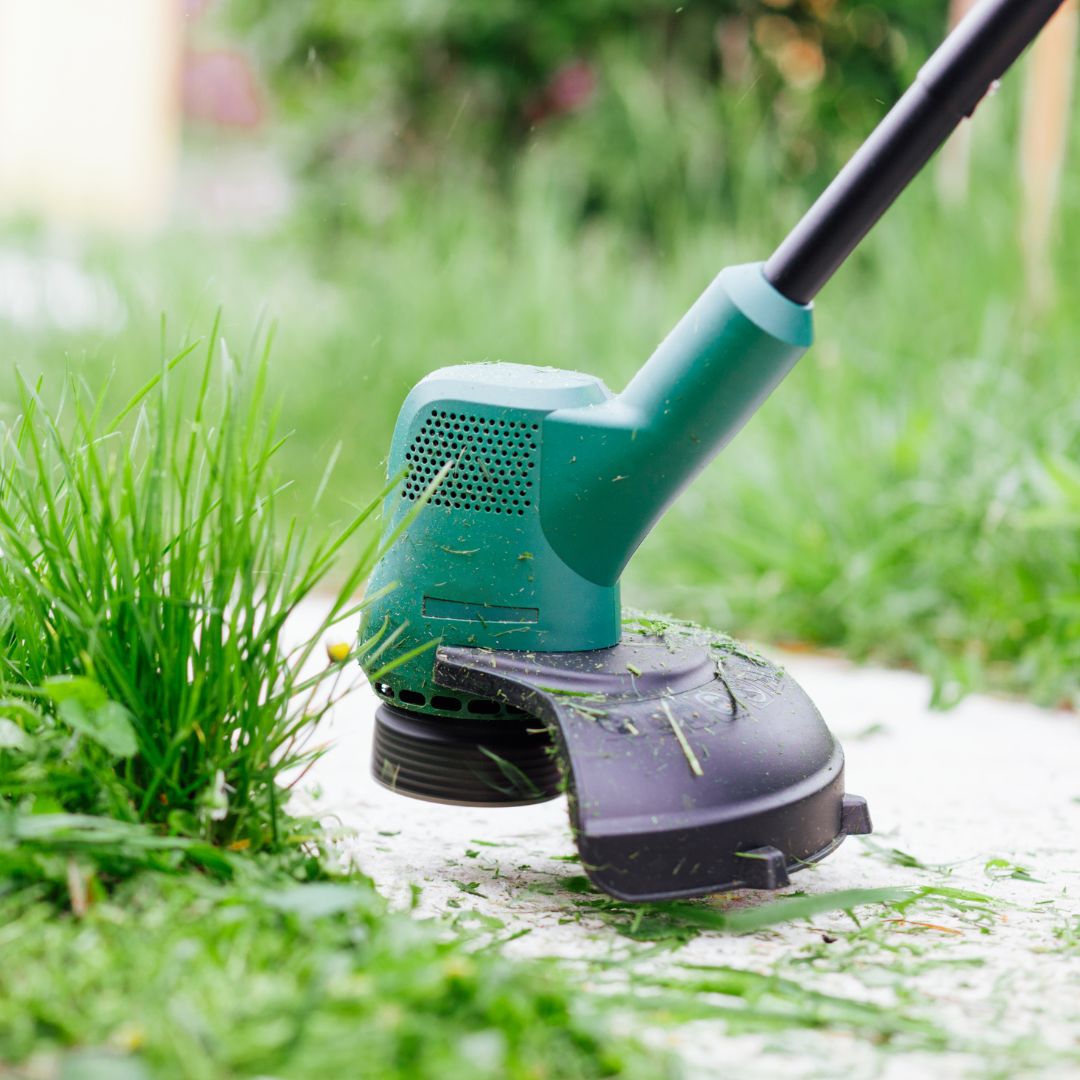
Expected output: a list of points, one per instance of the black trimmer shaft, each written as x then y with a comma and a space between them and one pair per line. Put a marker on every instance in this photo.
946, 91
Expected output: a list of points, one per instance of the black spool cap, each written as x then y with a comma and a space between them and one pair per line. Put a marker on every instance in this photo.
505, 761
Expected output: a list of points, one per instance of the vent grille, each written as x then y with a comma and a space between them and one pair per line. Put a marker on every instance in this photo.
493, 463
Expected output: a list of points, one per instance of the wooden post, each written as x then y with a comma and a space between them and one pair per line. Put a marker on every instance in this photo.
1044, 135
954, 162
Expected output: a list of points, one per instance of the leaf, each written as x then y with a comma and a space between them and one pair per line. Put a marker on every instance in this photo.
80, 688
520, 784
804, 907
319, 900
17, 709
679, 920
12, 737
1002, 868
109, 725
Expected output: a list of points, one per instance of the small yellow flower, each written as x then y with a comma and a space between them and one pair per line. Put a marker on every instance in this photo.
130, 1037
336, 651
458, 967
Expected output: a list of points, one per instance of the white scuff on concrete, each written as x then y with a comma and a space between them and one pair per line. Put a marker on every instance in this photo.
971, 794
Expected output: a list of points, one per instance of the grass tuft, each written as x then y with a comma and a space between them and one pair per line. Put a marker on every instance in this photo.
146, 579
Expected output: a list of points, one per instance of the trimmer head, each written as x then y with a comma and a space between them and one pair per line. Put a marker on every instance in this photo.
692, 765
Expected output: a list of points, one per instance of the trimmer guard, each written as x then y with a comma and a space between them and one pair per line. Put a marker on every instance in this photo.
692, 765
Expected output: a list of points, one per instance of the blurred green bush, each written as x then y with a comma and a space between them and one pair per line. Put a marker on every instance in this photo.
638, 108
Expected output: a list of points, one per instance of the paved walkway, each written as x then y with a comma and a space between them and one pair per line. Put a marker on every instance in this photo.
983, 799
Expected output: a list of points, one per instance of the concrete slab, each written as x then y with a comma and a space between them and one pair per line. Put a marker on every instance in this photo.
985, 798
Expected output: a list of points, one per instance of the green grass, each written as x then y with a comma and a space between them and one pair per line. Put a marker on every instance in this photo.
179, 978
163, 913
146, 584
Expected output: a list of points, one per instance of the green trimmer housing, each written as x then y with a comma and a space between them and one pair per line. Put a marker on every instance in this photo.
691, 765
551, 482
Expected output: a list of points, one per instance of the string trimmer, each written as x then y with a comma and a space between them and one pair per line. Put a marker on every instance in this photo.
691, 764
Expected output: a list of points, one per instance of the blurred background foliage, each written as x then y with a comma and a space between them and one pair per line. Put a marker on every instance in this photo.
650, 105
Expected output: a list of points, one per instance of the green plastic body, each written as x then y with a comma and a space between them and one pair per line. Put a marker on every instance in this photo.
541, 484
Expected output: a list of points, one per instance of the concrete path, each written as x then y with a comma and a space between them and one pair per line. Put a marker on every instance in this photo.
984, 799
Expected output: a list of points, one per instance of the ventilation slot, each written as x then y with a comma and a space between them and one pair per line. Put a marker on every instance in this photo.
447, 704
493, 463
